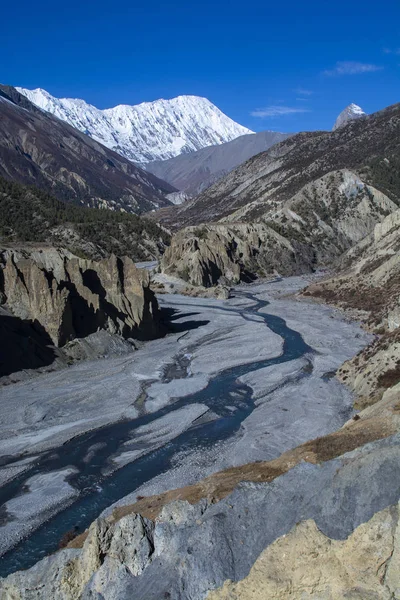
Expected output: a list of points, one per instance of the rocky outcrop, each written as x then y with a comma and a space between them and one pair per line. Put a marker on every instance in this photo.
212, 254
68, 297
311, 230
185, 543
305, 563
369, 277
108, 553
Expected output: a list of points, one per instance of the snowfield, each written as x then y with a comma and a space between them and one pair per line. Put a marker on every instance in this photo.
149, 131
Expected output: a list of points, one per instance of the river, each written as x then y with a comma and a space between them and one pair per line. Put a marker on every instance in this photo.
96, 487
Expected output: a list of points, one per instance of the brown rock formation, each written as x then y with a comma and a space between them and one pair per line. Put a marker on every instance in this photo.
70, 297
313, 228
307, 564
228, 253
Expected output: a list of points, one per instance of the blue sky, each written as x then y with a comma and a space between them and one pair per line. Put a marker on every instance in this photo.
286, 66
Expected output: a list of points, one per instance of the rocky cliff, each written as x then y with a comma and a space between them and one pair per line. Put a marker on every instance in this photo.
228, 253
68, 297
312, 229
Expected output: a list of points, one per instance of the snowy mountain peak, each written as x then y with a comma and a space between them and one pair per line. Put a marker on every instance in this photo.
148, 131
351, 112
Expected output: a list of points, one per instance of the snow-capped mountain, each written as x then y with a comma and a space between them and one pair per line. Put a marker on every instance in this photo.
351, 112
148, 131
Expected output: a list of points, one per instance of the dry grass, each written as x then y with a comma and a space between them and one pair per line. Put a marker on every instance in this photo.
352, 291
216, 487
390, 377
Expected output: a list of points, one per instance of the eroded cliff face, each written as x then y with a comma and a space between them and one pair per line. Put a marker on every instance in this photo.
368, 286
311, 229
222, 253
68, 297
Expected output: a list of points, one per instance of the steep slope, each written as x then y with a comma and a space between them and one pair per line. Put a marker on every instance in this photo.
149, 131
368, 285
369, 147
312, 229
194, 172
68, 297
351, 112
37, 148
29, 215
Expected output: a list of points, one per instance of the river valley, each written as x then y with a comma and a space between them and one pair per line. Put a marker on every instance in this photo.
239, 380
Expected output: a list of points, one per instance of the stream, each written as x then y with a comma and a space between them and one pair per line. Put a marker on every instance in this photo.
89, 453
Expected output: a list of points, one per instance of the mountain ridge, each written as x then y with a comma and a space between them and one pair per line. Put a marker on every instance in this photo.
148, 131
38, 148
263, 182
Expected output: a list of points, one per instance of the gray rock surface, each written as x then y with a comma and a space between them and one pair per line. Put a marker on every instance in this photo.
194, 549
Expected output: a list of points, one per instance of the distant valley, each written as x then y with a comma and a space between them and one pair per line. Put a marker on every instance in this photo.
194, 172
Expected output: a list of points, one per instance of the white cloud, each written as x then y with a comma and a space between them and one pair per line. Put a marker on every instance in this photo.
391, 51
352, 68
277, 111
303, 92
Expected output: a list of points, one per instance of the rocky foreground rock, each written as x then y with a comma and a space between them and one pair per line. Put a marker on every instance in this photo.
305, 563
194, 542
67, 297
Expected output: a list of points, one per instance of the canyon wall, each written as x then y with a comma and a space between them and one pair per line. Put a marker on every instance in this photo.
68, 297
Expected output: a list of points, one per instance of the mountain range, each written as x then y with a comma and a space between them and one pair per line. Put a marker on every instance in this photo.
36, 148
293, 208
187, 141
148, 131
